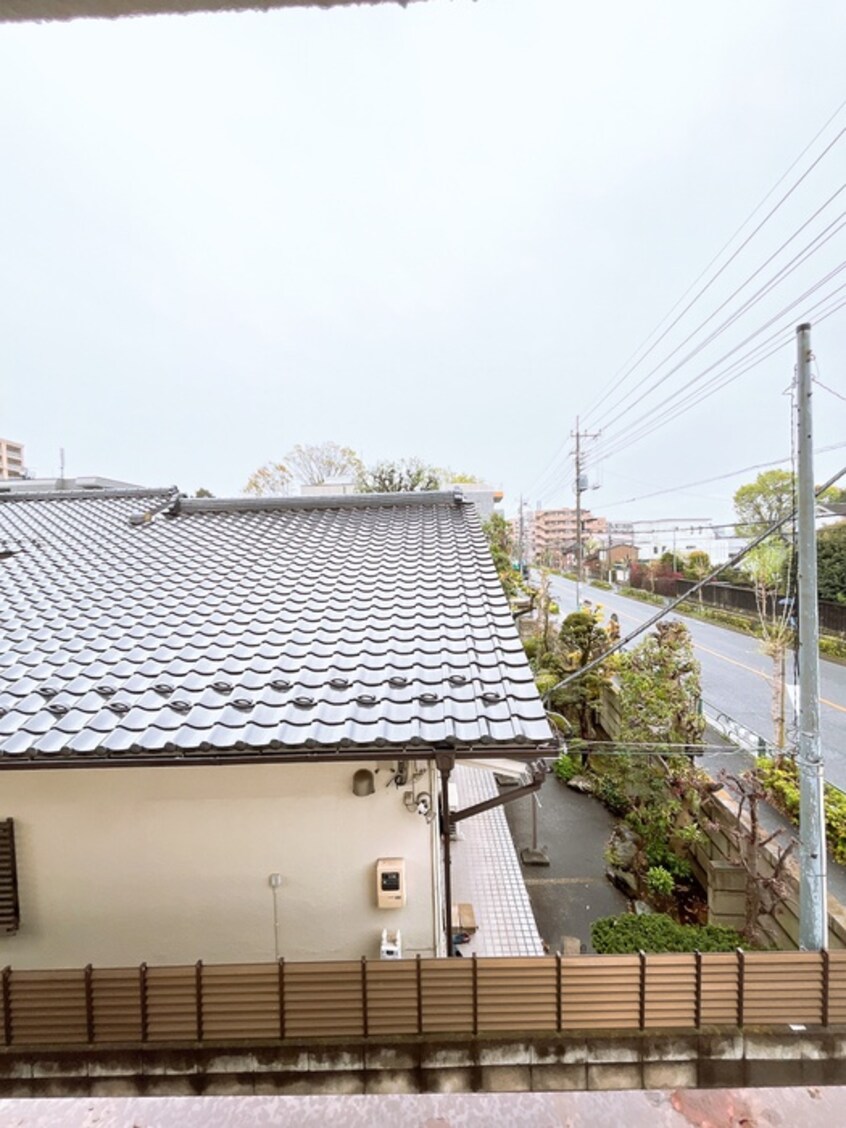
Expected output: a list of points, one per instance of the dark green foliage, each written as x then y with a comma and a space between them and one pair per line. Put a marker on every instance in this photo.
565, 767
657, 932
831, 563
781, 779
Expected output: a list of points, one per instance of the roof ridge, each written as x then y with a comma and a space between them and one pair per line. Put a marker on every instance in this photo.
327, 501
93, 494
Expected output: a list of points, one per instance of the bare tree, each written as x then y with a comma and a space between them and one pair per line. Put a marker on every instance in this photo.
271, 480
765, 891
314, 464
768, 565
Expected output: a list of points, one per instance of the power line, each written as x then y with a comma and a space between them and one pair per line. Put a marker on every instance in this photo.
798, 260
649, 421
722, 477
664, 611
734, 255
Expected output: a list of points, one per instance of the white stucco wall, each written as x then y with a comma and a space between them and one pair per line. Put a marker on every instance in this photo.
172, 865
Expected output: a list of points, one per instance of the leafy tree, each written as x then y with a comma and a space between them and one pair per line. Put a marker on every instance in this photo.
314, 464
498, 534
403, 476
831, 562
770, 498
767, 565
449, 477
697, 566
271, 480
659, 687
582, 638
203, 492
761, 503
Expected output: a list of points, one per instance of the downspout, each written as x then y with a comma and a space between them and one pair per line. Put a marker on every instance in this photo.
446, 762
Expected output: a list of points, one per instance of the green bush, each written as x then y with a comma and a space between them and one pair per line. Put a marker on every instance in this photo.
660, 882
603, 585
530, 645
833, 647
781, 779
657, 932
570, 576
643, 596
565, 767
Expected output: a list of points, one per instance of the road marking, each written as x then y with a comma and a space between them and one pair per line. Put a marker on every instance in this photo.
761, 674
564, 880
732, 661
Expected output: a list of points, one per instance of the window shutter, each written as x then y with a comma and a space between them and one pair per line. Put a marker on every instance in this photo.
9, 910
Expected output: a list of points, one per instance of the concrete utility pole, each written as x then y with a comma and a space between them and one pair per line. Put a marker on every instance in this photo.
579, 489
521, 538
813, 914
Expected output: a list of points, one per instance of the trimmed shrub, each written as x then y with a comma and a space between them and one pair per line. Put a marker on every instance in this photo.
657, 932
603, 585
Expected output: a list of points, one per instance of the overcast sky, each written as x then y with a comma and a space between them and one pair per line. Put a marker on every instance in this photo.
439, 231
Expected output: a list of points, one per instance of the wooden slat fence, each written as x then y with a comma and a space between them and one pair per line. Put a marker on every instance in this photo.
270, 1002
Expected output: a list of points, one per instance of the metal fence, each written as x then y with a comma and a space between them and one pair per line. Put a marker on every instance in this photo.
271, 1002
729, 597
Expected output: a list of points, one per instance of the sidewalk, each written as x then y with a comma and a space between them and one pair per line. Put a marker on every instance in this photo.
571, 892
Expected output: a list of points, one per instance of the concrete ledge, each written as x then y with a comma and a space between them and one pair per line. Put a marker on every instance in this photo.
540, 1063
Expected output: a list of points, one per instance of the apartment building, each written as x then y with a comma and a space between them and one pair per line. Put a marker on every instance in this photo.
11, 459
555, 535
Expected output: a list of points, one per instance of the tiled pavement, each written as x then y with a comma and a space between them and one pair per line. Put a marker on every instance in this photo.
486, 873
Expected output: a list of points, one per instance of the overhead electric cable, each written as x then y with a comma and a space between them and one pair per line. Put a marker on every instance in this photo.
735, 253
653, 619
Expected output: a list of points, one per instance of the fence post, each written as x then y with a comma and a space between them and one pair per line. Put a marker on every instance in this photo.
198, 997
281, 966
419, 994
142, 998
7, 1005
697, 1005
642, 1013
559, 993
364, 1019
88, 975
826, 984
741, 984
475, 995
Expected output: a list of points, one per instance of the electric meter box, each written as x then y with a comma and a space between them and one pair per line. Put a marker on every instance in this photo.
390, 883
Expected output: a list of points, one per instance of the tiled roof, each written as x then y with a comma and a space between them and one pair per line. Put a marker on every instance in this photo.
140, 625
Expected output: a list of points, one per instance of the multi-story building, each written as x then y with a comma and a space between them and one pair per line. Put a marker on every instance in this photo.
555, 535
11, 459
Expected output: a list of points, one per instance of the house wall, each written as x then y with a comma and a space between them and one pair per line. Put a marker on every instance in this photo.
171, 865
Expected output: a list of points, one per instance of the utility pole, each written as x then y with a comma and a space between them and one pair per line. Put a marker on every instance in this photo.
813, 915
520, 558
579, 488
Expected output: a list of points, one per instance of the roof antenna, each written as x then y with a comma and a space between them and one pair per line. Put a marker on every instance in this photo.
61, 468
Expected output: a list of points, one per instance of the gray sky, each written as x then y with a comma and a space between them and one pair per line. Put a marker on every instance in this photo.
437, 231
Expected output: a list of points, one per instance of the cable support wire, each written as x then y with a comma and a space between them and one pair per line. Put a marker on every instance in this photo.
673, 604
674, 407
630, 370
819, 240
542, 481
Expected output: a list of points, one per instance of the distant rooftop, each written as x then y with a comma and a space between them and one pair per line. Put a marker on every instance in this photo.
32, 10
51, 485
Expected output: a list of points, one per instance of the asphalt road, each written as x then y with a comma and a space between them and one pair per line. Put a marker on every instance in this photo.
736, 675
